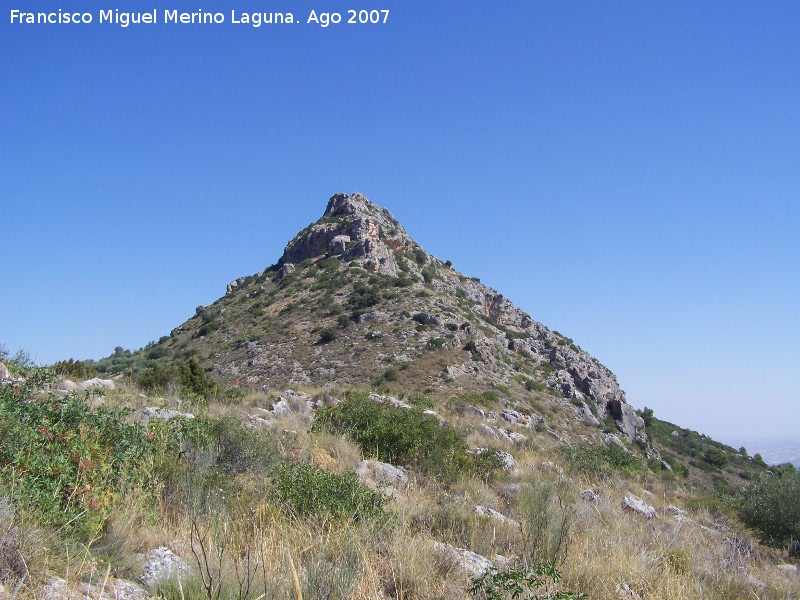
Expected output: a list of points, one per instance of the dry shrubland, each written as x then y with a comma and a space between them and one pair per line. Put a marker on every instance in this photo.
277, 512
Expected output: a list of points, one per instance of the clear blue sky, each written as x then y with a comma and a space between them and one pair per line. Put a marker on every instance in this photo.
626, 172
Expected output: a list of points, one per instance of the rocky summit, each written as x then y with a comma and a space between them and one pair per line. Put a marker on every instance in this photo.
354, 300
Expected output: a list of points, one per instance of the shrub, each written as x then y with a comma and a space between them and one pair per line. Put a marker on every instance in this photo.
398, 436
362, 297
157, 377
328, 335
309, 491
198, 460
435, 343
68, 463
419, 256
771, 505
546, 510
715, 457
601, 461
429, 273
530, 584
76, 369
194, 380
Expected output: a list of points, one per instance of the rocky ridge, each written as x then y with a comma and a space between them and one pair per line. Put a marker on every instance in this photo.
402, 303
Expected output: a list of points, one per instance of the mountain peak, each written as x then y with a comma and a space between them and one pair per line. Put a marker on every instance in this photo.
354, 300
352, 228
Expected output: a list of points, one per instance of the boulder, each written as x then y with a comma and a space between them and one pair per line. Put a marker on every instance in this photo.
96, 382
338, 244
587, 414
474, 564
377, 474
161, 564
113, 589
490, 513
590, 496
4, 372
281, 407
512, 416
638, 506
163, 414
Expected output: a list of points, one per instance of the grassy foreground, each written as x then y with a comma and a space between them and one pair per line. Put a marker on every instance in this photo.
277, 511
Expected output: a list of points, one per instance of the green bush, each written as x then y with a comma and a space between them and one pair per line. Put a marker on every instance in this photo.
601, 461
715, 457
436, 343
198, 460
771, 505
362, 297
400, 436
194, 380
75, 369
328, 335
62, 461
429, 273
309, 491
157, 377
540, 583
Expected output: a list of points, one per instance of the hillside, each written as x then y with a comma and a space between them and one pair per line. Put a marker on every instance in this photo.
360, 420
355, 301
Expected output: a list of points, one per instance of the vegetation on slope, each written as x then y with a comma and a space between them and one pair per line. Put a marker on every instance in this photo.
83, 473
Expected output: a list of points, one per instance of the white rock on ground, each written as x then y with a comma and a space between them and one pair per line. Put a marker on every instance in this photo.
163, 414
485, 511
474, 564
638, 506
161, 564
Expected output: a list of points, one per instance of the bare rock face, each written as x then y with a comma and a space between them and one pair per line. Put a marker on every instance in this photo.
352, 228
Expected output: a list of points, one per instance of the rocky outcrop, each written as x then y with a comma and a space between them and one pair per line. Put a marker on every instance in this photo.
3, 372
352, 228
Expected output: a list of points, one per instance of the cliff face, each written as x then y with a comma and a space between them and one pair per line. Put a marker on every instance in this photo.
354, 298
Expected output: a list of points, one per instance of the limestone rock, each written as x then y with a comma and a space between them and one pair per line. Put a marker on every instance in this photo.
96, 382
587, 414
379, 475
114, 589
638, 506
474, 564
161, 564
590, 496
338, 244
163, 414
490, 513
351, 228
281, 407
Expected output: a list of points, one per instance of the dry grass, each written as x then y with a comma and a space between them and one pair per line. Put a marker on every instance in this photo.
256, 550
